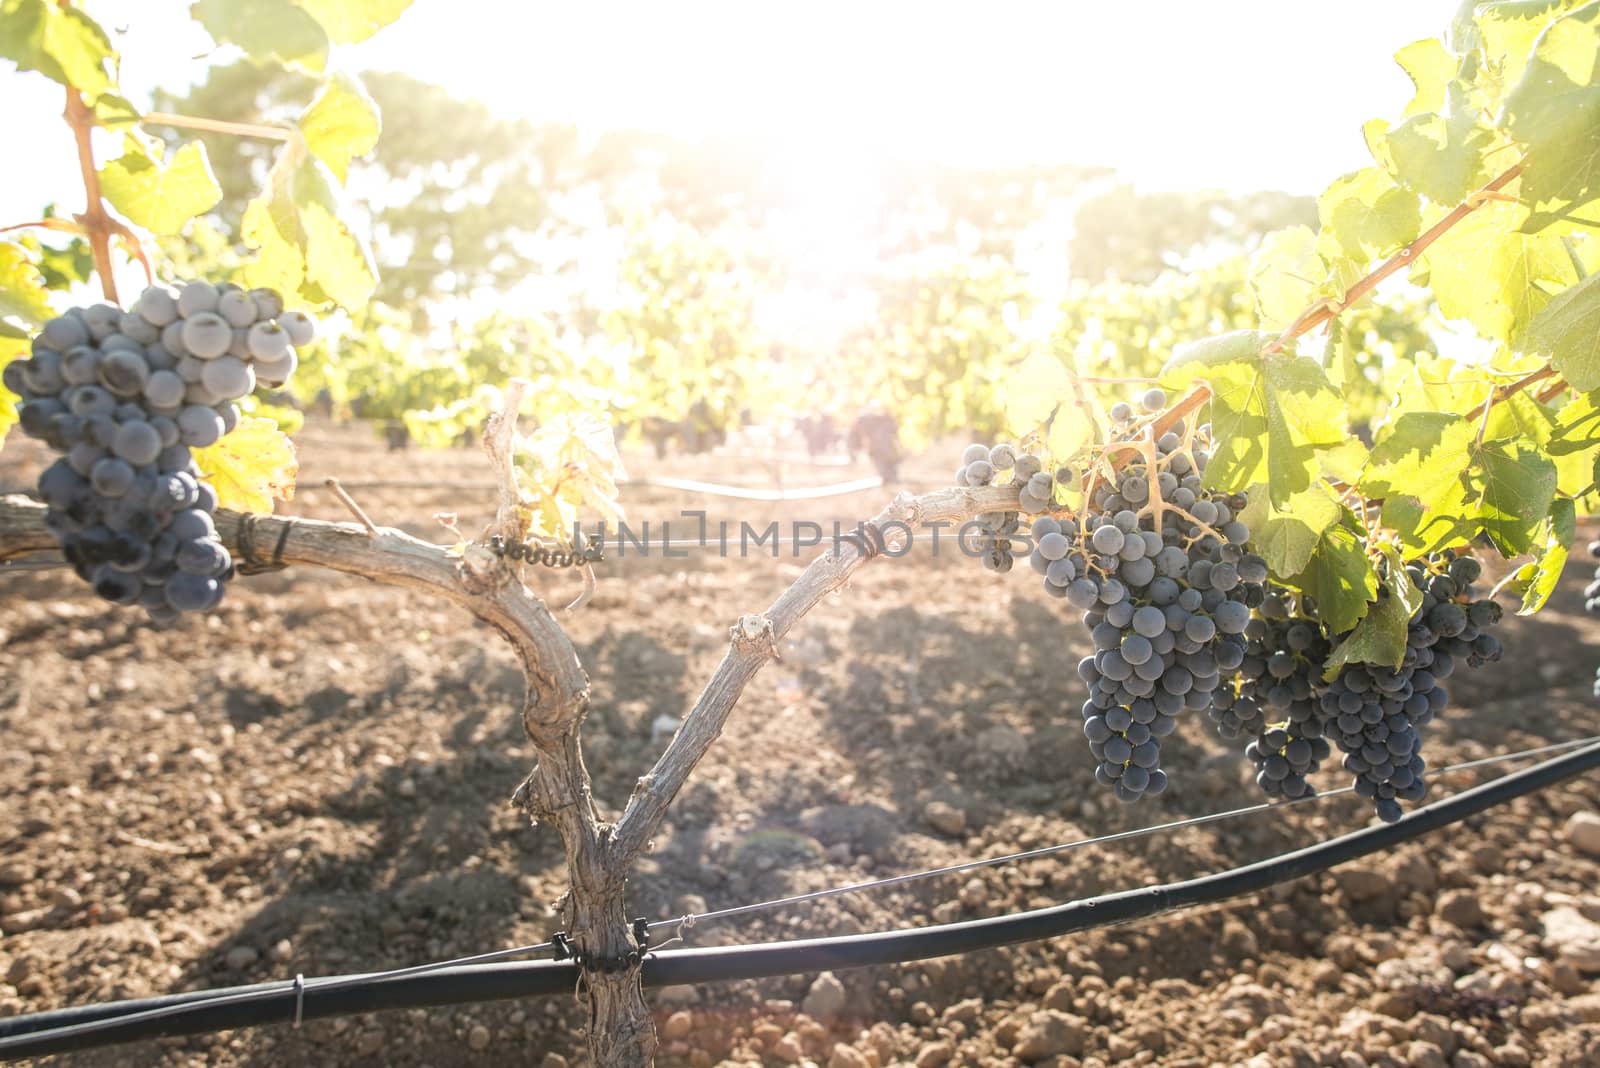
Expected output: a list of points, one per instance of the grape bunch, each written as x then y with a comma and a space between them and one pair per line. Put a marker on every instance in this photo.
982, 466
124, 396
1591, 601
1276, 698
1374, 714
1157, 565
1377, 713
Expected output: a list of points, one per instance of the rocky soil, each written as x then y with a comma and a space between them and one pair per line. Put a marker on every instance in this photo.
315, 780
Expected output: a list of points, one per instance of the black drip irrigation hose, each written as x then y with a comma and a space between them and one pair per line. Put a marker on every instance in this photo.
202, 1012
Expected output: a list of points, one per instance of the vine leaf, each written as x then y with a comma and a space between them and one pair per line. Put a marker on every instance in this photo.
22, 292
1339, 576
301, 242
1536, 580
1285, 275
1487, 272
1441, 487
1441, 158
1380, 637
1365, 215
1033, 392
1287, 539
353, 21
267, 29
160, 196
1271, 415
250, 467
1554, 110
1431, 67
341, 123
1568, 329
570, 462
62, 43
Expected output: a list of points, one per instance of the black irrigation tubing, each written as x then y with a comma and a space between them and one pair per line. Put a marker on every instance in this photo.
282, 1002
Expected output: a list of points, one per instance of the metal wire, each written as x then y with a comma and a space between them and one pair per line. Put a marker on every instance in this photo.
683, 922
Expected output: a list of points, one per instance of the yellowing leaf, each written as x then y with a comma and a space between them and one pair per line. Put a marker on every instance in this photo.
1430, 66
251, 467
1033, 391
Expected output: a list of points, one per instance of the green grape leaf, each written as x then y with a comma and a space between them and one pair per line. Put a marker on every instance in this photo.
302, 244
1568, 330
251, 467
1380, 637
1514, 493
1440, 486
22, 292
353, 21
13, 346
1440, 158
1416, 467
338, 262
341, 123
1285, 275
1486, 271
271, 227
1339, 577
1287, 538
1554, 110
1365, 215
1032, 393
1430, 66
266, 29
114, 112
1536, 580
1271, 415
62, 43
1508, 29
160, 196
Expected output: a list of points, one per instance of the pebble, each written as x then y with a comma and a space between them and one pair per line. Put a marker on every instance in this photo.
478, 1038
945, 818
844, 1056
1583, 831
825, 999
1573, 938
935, 1054
241, 957
369, 1043
1462, 908
16, 873
788, 1048
1363, 884
1049, 1034
678, 1026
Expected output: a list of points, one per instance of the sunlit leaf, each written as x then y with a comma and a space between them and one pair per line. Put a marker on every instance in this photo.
266, 29
352, 21
160, 196
22, 292
251, 467
62, 43
1285, 275
1380, 637
1554, 110
1536, 580
1568, 331
341, 123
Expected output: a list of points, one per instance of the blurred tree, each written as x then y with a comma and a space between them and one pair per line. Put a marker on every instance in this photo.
1135, 236
455, 193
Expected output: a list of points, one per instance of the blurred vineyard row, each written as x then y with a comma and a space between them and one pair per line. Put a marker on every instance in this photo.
685, 290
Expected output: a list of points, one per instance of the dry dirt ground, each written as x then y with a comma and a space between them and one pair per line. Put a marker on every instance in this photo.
315, 780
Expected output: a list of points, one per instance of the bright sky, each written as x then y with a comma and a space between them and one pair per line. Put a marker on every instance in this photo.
1243, 95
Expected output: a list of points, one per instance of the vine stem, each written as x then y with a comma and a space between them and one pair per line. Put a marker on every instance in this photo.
221, 126
1326, 310
96, 222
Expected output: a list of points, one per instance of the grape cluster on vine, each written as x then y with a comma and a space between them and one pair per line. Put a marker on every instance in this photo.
125, 396
1157, 565
1374, 714
982, 465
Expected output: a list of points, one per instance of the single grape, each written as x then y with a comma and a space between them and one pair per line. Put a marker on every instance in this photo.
206, 335
197, 298
300, 327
